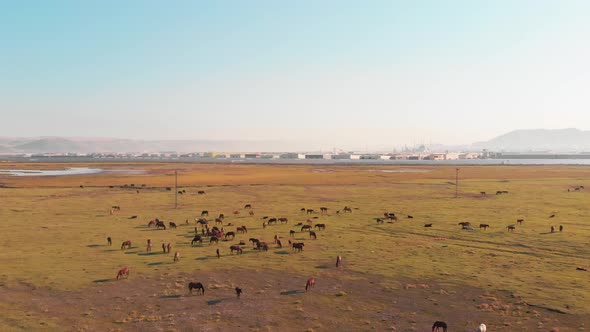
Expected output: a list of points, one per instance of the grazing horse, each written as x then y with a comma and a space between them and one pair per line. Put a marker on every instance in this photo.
464, 224
499, 192
196, 285
204, 213
279, 243
254, 241
221, 216
511, 228
110, 242
312, 234
298, 246
291, 233
201, 192
305, 227
149, 245
283, 220
262, 245
123, 272
320, 226
427, 225
239, 292
176, 256
309, 284
172, 224
271, 220
232, 234
214, 239
519, 221
160, 224
561, 228
242, 229
484, 226
202, 221
379, 220
152, 223
164, 247
410, 217
248, 206
236, 248
439, 325
126, 244
251, 213
338, 260
309, 211
347, 209
481, 328
196, 239
218, 221
323, 210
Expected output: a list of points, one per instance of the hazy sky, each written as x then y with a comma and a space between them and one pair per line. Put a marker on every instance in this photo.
332, 71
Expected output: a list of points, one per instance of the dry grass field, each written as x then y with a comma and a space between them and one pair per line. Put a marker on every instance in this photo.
59, 274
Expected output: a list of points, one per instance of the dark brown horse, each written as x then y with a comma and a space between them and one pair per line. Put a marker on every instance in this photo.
230, 234
484, 226
323, 210
338, 260
346, 209
313, 235
309, 284
196, 285
298, 246
291, 233
242, 229
196, 239
236, 248
172, 224
262, 245
464, 224
126, 244
511, 228
305, 227
201, 192
160, 224
248, 206
427, 225
320, 226
152, 223
124, 272
204, 213
283, 220
238, 292
519, 221
310, 211
439, 325
214, 239
254, 241
109, 241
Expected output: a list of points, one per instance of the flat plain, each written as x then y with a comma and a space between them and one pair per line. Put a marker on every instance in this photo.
58, 273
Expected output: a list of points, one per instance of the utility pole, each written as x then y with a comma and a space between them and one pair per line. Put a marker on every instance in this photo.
456, 183
175, 189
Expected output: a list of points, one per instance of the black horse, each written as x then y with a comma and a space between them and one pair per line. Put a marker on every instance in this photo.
439, 325
160, 224
196, 285
196, 239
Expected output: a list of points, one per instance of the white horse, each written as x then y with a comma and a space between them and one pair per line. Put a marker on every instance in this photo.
481, 328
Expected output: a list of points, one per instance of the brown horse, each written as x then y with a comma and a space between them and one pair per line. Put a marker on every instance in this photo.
262, 245
242, 229
291, 233
283, 220
201, 192
305, 227
196, 239
511, 228
484, 226
464, 224
124, 272
236, 248
160, 224
238, 292
427, 225
152, 223
109, 241
214, 239
236, 213
254, 241
320, 226
347, 209
310, 211
248, 206
204, 213
338, 260
251, 213
126, 244
196, 285
176, 256
312, 235
323, 210
168, 247
309, 284
218, 221
230, 234
439, 325
298, 246
279, 243
149, 245
519, 221
172, 224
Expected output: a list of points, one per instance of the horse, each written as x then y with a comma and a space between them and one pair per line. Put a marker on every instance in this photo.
132, 217
217, 252
196, 285
168, 247
347, 209
302, 209
126, 244
271, 220
201, 192
279, 243
236, 213
481, 328
320, 226
291, 233
123, 272
254, 241
172, 224
410, 217
283, 220
239, 292
305, 227
116, 207
298, 246
248, 206
149, 245
427, 225
552, 229
262, 245
202, 221
312, 234
511, 228
519, 221
309, 284
483, 193
152, 223
242, 229
439, 325
160, 224
176, 256
323, 210
197, 238
379, 220
204, 213
552, 216
218, 221
109, 241
484, 226
338, 260
164, 247
228, 234
310, 211
499, 192
221, 216
464, 224
236, 248
214, 239
251, 213
561, 228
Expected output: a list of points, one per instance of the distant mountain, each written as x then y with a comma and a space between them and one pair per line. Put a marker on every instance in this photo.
550, 140
114, 145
